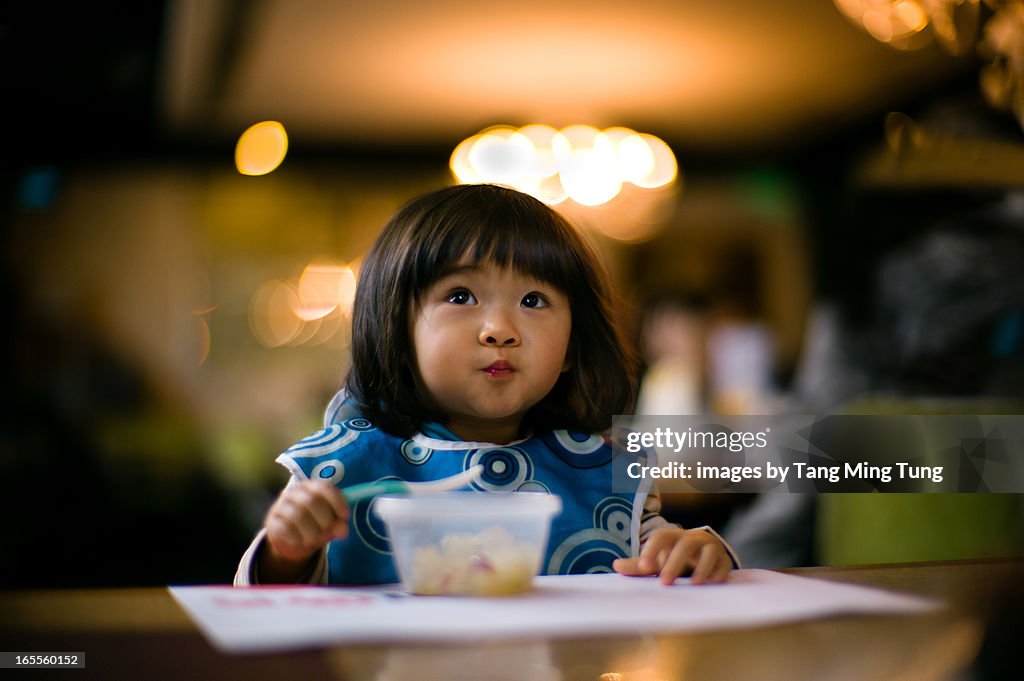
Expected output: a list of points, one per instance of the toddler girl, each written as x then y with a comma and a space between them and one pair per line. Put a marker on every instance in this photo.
482, 333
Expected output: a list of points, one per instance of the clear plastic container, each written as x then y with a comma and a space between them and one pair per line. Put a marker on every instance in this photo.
468, 543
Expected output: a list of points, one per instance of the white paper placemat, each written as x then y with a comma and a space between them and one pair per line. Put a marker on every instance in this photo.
273, 618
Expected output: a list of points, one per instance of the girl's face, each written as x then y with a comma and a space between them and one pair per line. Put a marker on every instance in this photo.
489, 344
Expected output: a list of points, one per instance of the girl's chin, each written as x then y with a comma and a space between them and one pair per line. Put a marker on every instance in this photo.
486, 422
491, 420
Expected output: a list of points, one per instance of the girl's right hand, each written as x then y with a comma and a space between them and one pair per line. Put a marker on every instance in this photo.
305, 517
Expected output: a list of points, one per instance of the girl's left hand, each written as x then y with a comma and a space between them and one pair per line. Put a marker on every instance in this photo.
669, 552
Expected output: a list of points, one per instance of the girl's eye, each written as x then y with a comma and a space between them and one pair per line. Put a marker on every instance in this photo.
534, 300
460, 297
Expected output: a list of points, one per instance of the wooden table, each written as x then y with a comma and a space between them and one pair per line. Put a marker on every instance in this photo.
143, 634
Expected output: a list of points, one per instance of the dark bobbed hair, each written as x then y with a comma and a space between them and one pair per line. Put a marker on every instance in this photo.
424, 241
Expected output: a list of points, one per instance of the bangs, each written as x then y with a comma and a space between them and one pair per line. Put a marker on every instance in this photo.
506, 229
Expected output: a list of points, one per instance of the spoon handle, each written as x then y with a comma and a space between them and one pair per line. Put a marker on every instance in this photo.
368, 490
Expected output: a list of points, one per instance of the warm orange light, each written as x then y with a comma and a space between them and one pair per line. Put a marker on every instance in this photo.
306, 332
898, 23
665, 169
854, 9
911, 15
878, 24
503, 157
589, 175
272, 314
311, 311
329, 327
461, 168
578, 162
550, 190
322, 288
204, 339
261, 148
634, 157
544, 162
571, 139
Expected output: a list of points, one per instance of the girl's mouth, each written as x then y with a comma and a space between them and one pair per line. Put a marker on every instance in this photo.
499, 368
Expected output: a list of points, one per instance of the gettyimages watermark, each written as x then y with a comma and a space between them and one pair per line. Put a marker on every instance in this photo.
756, 454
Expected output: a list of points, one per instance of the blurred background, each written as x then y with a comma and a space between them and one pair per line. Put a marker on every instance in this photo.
807, 206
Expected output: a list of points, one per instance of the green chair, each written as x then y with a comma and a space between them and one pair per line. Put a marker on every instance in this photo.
889, 528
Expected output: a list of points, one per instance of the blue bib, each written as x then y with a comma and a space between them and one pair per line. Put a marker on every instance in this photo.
595, 527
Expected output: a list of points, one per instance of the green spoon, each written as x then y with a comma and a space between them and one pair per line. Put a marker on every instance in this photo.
368, 490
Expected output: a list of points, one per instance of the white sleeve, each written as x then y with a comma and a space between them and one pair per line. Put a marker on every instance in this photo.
651, 518
725, 545
248, 574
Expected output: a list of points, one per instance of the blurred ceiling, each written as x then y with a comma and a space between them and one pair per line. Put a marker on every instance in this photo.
716, 75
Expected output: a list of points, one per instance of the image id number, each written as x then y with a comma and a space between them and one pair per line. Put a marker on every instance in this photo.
42, 660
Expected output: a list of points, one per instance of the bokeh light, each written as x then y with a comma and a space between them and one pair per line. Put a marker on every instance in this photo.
330, 327
544, 162
203, 329
272, 314
578, 162
634, 156
590, 177
503, 155
899, 23
261, 148
665, 169
314, 309
324, 287
459, 163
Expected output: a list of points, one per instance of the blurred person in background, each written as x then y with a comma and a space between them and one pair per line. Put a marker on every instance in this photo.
672, 336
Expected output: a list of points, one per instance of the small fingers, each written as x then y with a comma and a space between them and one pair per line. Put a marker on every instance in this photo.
297, 514
722, 568
653, 554
693, 551
285, 537
656, 550
312, 511
333, 496
305, 517
707, 559
722, 571
670, 553
680, 558
632, 566
328, 506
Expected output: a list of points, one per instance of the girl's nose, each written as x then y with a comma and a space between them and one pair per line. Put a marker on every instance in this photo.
499, 334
